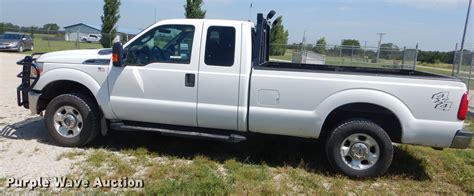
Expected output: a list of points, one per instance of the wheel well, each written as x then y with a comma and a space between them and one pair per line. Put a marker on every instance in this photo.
61, 87
380, 115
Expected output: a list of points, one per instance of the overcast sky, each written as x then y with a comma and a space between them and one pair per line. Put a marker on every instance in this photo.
435, 24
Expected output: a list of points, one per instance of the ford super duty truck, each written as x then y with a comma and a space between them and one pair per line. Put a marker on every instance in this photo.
213, 79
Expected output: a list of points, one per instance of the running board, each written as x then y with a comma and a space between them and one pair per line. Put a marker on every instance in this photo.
231, 138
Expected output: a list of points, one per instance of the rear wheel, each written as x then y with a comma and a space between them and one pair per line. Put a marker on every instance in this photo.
72, 120
359, 148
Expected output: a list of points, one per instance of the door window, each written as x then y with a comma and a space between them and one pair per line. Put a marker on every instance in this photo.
164, 44
220, 46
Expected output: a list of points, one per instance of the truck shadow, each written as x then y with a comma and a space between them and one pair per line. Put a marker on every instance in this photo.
273, 151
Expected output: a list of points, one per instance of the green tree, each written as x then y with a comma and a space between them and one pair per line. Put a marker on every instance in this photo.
193, 9
351, 42
390, 51
320, 46
109, 20
5, 27
51, 27
278, 38
350, 47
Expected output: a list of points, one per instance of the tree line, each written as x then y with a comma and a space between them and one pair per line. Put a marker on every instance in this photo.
9, 27
388, 51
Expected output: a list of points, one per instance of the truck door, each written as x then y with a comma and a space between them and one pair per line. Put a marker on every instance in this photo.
219, 71
159, 82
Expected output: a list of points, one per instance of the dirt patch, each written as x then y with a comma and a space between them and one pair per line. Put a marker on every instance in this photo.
26, 150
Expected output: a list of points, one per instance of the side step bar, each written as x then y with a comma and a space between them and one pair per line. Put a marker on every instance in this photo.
230, 138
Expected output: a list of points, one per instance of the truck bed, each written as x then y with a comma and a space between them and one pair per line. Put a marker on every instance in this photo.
390, 72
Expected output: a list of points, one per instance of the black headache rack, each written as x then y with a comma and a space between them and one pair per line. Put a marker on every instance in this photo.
261, 41
26, 79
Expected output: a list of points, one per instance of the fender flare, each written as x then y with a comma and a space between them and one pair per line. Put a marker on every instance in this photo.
370, 96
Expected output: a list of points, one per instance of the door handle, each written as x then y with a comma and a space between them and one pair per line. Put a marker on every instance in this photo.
190, 80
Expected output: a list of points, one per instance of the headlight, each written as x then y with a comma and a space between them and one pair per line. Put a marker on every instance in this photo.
40, 68
12, 44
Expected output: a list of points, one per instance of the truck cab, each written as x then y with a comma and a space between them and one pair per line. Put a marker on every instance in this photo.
178, 69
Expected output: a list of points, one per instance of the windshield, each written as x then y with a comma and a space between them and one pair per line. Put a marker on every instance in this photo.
10, 36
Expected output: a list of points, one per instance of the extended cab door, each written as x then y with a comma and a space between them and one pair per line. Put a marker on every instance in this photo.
159, 82
219, 71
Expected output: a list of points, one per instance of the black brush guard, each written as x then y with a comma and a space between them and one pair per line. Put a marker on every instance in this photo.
26, 79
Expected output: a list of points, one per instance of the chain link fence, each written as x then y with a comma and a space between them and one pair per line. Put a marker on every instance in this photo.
463, 64
391, 58
48, 41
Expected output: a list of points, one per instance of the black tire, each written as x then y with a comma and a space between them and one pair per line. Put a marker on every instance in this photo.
89, 112
334, 145
20, 48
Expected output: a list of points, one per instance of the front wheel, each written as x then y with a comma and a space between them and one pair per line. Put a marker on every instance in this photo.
20, 48
72, 120
359, 149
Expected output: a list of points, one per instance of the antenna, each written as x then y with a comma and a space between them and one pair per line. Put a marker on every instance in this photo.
250, 11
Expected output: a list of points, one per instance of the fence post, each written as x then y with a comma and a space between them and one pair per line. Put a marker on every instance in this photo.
470, 71
77, 39
404, 55
352, 52
454, 59
416, 58
340, 54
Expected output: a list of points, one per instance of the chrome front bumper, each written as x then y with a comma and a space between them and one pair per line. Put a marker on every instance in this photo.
462, 139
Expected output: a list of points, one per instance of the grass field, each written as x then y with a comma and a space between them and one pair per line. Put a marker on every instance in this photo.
266, 165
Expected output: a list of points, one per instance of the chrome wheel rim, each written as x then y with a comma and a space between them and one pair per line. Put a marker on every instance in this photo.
68, 121
360, 151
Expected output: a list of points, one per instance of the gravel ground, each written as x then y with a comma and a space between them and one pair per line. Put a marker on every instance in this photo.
25, 148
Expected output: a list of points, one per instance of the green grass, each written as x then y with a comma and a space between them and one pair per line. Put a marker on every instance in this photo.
268, 166
70, 155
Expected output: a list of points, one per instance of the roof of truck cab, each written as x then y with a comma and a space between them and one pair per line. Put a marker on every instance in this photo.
207, 20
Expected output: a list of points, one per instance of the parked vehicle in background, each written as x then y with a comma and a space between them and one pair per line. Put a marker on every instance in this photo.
16, 42
91, 38
212, 79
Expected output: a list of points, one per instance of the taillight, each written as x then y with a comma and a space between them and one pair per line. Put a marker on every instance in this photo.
463, 108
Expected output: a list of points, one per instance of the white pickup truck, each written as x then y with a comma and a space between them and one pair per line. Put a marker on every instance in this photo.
212, 79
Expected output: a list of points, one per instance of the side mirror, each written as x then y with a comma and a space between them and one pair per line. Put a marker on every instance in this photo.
24, 39
117, 54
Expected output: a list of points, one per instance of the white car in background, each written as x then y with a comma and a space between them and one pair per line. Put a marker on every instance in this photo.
91, 38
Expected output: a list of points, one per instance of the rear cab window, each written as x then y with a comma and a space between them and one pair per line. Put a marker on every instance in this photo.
220, 46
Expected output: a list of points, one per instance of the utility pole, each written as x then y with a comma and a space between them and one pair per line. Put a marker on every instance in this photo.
464, 37
380, 43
